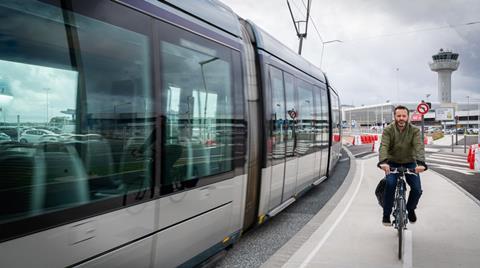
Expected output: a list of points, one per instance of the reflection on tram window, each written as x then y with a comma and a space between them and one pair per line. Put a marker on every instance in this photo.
278, 135
305, 125
335, 119
291, 106
324, 120
199, 112
68, 132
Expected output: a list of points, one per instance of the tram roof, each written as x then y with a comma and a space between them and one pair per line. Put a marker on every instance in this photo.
271, 45
211, 11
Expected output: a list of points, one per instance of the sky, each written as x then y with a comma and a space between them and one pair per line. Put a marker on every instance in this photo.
32, 86
386, 45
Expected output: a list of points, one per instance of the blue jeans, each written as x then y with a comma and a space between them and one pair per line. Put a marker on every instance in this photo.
412, 180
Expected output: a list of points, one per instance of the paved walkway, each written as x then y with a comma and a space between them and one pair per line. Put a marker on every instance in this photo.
447, 233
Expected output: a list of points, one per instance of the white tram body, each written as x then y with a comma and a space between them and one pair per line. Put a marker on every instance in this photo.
178, 126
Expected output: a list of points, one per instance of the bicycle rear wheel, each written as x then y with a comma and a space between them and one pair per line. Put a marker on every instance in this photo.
401, 214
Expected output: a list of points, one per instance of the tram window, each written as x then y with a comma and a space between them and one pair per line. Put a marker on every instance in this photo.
318, 117
324, 116
278, 120
80, 100
335, 118
290, 106
305, 122
198, 106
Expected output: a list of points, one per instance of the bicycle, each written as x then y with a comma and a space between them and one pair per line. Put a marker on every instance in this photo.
400, 205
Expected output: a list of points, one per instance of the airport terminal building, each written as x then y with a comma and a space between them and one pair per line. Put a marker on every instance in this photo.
373, 116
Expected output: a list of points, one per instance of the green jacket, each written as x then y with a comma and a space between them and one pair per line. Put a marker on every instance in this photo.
402, 147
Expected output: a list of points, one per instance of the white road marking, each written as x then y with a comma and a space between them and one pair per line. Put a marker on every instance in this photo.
447, 161
408, 249
324, 239
456, 169
365, 153
462, 157
450, 157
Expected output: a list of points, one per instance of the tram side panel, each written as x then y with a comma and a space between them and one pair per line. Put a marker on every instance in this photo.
336, 144
254, 118
149, 167
325, 131
289, 142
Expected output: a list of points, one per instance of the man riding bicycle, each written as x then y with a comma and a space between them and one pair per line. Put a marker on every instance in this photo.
401, 146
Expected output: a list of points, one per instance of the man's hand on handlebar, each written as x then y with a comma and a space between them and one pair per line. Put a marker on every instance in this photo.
419, 169
386, 168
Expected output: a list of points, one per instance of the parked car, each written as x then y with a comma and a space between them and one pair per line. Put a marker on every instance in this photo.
4, 137
34, 135
55, 130
10, 131
472, 131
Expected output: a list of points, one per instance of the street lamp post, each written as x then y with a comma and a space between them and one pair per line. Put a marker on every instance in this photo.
350, 121
47, 89
115, 113
468, 113
323, 48
478, 119
396, 76
381, 115
466, 127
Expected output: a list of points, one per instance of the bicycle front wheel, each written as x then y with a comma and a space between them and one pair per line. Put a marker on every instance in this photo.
401, 214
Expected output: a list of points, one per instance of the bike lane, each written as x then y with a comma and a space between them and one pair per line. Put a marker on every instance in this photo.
352, 235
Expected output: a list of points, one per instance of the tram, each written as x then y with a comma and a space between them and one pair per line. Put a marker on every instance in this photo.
150, 133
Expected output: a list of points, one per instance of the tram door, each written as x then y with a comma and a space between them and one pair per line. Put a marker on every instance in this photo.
282, 157
291, 159
277, 138
318, 131
324, 125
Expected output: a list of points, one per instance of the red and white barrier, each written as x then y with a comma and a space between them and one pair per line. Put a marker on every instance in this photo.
376, 146
476, 166
357, 140
364, 139
473, 157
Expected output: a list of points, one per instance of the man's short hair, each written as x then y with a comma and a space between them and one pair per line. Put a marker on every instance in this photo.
401, 107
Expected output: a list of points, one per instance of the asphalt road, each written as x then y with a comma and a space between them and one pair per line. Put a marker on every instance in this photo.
454, 166
470, 140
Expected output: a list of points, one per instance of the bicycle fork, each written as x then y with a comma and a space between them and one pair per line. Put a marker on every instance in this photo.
400, 204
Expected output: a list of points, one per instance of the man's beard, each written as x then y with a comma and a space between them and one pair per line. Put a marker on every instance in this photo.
400, 123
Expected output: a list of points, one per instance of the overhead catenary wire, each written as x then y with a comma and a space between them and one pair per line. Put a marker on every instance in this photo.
393, 33
414, 31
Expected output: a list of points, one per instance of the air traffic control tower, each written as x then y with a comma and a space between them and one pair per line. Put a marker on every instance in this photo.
444, 63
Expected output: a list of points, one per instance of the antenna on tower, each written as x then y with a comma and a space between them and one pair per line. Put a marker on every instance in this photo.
298, 23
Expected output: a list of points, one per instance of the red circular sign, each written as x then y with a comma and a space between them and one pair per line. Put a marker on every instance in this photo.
292, 114
422, 108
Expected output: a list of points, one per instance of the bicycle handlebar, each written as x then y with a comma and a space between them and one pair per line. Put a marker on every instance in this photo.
403, 170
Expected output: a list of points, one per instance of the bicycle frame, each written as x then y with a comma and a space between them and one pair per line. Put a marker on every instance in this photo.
400, 198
